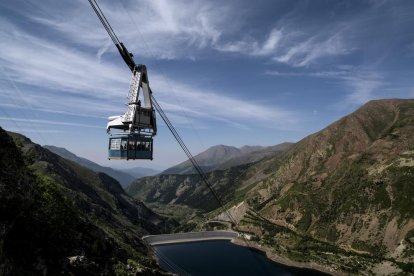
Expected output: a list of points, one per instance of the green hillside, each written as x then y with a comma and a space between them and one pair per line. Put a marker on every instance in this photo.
52, 209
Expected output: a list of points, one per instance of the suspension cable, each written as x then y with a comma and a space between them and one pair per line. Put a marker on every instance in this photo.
104, 22
191, 158
174, 132
200, 172
194, 162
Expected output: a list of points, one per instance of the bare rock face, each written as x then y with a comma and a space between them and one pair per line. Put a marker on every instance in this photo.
352, 182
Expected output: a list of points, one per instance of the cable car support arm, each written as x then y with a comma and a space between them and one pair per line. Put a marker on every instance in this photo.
125, 54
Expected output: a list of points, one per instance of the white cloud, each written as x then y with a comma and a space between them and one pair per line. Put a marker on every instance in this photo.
169, 30
47, 64
68, 81
252, 47
30, 122
363, 83
363, 88
205, 104
295, 49
35, 131
313, 49
160, 29
340, 74
272, 41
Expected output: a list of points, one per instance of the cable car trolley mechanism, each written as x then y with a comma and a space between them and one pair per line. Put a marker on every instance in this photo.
137, 127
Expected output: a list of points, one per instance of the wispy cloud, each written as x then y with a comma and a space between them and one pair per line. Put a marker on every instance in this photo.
292, 47
35, 131
56, 111
208, 105
341, 74
47, 122
59, 79
312, 49
145, 26
363, 87
300, 38
363, 83
253, 47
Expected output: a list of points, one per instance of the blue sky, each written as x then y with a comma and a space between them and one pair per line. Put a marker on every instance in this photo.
225, 72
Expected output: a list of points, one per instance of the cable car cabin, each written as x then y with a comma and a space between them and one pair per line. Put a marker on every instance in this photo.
130, 146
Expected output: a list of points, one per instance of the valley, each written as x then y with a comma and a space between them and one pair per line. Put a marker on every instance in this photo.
340, 201
243, 137
341, 198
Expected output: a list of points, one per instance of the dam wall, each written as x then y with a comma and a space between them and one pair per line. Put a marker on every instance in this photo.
189, 237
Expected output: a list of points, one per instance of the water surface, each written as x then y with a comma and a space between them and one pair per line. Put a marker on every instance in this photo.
221, 258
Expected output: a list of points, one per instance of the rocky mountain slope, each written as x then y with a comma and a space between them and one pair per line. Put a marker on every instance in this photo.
342, 197
122, 177
351, 184
59, 217
355, 176
183, 196
188, 190
222, 157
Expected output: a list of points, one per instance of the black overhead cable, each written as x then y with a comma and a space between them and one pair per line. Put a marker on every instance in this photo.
188, 153
168, 262
196, 166
104, 21
198, 169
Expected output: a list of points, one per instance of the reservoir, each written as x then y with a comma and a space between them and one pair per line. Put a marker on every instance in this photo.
220, 257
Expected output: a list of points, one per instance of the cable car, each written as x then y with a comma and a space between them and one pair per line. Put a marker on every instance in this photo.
138, 124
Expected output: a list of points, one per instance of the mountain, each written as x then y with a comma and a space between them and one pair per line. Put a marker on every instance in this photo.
123, 177
350, 183
187, 190
341, 197
251, 154
138, 172
182, 196
57, 217
224, 157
